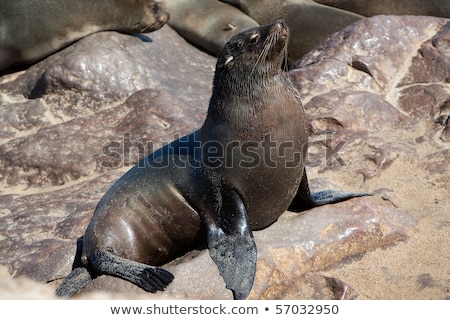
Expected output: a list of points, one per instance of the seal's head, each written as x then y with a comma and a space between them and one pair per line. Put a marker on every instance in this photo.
259, 49
248, 69
155, 17
136, 16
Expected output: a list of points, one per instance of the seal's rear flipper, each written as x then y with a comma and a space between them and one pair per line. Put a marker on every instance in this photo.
333, 196
144, 276
76, 280
231, 245
304, 200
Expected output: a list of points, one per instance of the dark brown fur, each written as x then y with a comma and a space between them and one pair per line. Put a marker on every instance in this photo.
236, 174
32, 30
254, 101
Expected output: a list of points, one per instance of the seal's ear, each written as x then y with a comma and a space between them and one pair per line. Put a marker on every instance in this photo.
231, 244
228, 60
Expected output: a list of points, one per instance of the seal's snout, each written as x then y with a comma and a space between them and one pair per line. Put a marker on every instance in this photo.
281, 23
281, 27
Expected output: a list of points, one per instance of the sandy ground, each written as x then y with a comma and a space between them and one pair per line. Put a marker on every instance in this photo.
418, 268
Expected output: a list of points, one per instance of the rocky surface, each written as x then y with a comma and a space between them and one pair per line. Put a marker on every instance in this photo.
70, 106
377, 99
382, 87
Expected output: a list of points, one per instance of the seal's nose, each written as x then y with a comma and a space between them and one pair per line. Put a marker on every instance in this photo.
282, 23
281, 26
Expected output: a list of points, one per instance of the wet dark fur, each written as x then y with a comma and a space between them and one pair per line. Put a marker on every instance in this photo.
160, 209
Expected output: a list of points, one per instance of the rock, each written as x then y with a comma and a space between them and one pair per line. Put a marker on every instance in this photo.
90, 79
357, 82
319, 239
73, 123
39, 231
376, 95
27, 289
126, 84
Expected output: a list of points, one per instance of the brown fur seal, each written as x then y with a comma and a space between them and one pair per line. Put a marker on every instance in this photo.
238, 173
310, 22
32, 30
368, 8
208, 24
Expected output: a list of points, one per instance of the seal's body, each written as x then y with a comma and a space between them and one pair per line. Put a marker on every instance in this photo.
32, 30
208, 24
239, 172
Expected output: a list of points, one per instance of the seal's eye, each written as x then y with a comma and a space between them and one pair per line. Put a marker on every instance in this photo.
254, 38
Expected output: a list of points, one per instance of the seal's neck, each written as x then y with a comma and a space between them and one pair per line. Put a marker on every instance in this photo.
252, 108
239, 93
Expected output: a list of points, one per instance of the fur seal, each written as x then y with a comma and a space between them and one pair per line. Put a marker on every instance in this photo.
32, 30
369, 8
239, 172
208, 24
310, 22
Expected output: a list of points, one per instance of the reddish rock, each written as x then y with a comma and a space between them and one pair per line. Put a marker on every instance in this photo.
360, 82
106, 88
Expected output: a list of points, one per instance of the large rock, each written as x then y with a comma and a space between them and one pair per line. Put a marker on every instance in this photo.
377, 98
359, 82
72, 124
62, 114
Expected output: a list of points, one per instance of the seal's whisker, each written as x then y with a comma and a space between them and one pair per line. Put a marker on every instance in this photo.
285, 60
262, 55
258, 60
270, 41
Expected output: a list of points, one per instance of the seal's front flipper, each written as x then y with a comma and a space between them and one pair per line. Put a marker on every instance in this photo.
144, 276
231, 244
304, 200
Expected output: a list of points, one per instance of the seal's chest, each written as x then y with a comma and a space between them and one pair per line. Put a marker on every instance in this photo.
267, 176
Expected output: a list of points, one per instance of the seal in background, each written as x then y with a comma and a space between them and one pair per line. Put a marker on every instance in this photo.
310, 22
208, 24
32, 30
